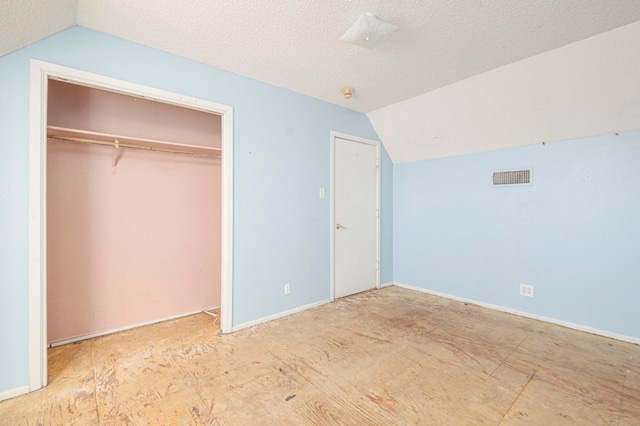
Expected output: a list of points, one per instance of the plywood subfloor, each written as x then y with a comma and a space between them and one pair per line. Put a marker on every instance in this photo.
386, 357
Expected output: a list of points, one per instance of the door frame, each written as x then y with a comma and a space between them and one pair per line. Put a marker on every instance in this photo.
40, 73
354, 139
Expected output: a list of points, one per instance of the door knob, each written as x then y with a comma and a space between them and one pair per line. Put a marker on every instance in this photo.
338, 226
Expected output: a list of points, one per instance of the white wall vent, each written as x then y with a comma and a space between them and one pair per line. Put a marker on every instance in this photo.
514, 177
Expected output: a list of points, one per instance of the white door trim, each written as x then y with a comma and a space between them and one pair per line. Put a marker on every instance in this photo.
39, 76
332, 220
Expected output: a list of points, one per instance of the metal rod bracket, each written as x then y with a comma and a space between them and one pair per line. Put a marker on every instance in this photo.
114, 156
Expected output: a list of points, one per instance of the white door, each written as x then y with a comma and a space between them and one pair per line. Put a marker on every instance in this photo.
355, 224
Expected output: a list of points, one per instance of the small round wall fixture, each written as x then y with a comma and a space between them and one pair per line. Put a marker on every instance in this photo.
347, 92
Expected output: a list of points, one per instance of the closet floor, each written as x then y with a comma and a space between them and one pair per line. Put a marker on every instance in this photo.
390, 356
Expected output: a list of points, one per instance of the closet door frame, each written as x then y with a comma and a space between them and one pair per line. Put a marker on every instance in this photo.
40, 74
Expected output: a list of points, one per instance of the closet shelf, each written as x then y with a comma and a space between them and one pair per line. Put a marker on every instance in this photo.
97, 138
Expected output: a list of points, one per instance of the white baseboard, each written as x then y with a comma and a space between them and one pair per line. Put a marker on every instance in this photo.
279, 315
388, 284
11, 393
567, 324
125, 328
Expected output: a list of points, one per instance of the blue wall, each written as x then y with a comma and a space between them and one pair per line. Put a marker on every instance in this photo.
573, 234
282, 157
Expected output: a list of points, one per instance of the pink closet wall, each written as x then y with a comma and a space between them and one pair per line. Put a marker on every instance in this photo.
139, 245
80, 107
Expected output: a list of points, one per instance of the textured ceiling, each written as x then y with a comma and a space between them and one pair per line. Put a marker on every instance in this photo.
23, 22
295, 45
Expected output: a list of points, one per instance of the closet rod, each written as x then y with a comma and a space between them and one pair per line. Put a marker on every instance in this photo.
126, 145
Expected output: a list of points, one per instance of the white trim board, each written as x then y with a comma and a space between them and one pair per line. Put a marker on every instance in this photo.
566, 324
12, 393
40, 74
279, 315
125, 328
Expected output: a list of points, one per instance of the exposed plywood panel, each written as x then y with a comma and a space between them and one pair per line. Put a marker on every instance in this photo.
391, 356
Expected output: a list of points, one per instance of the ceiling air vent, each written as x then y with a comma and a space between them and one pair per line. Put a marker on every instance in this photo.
514, 177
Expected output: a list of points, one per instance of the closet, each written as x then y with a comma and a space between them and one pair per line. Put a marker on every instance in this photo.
133, 211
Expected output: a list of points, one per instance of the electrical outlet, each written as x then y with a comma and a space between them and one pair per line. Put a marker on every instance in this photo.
526, 290
287, 289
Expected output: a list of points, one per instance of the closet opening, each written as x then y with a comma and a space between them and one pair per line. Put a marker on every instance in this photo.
133, 212
131, 199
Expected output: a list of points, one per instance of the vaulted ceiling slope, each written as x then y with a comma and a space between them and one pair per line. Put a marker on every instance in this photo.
587, 88
457, 77
295, 45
